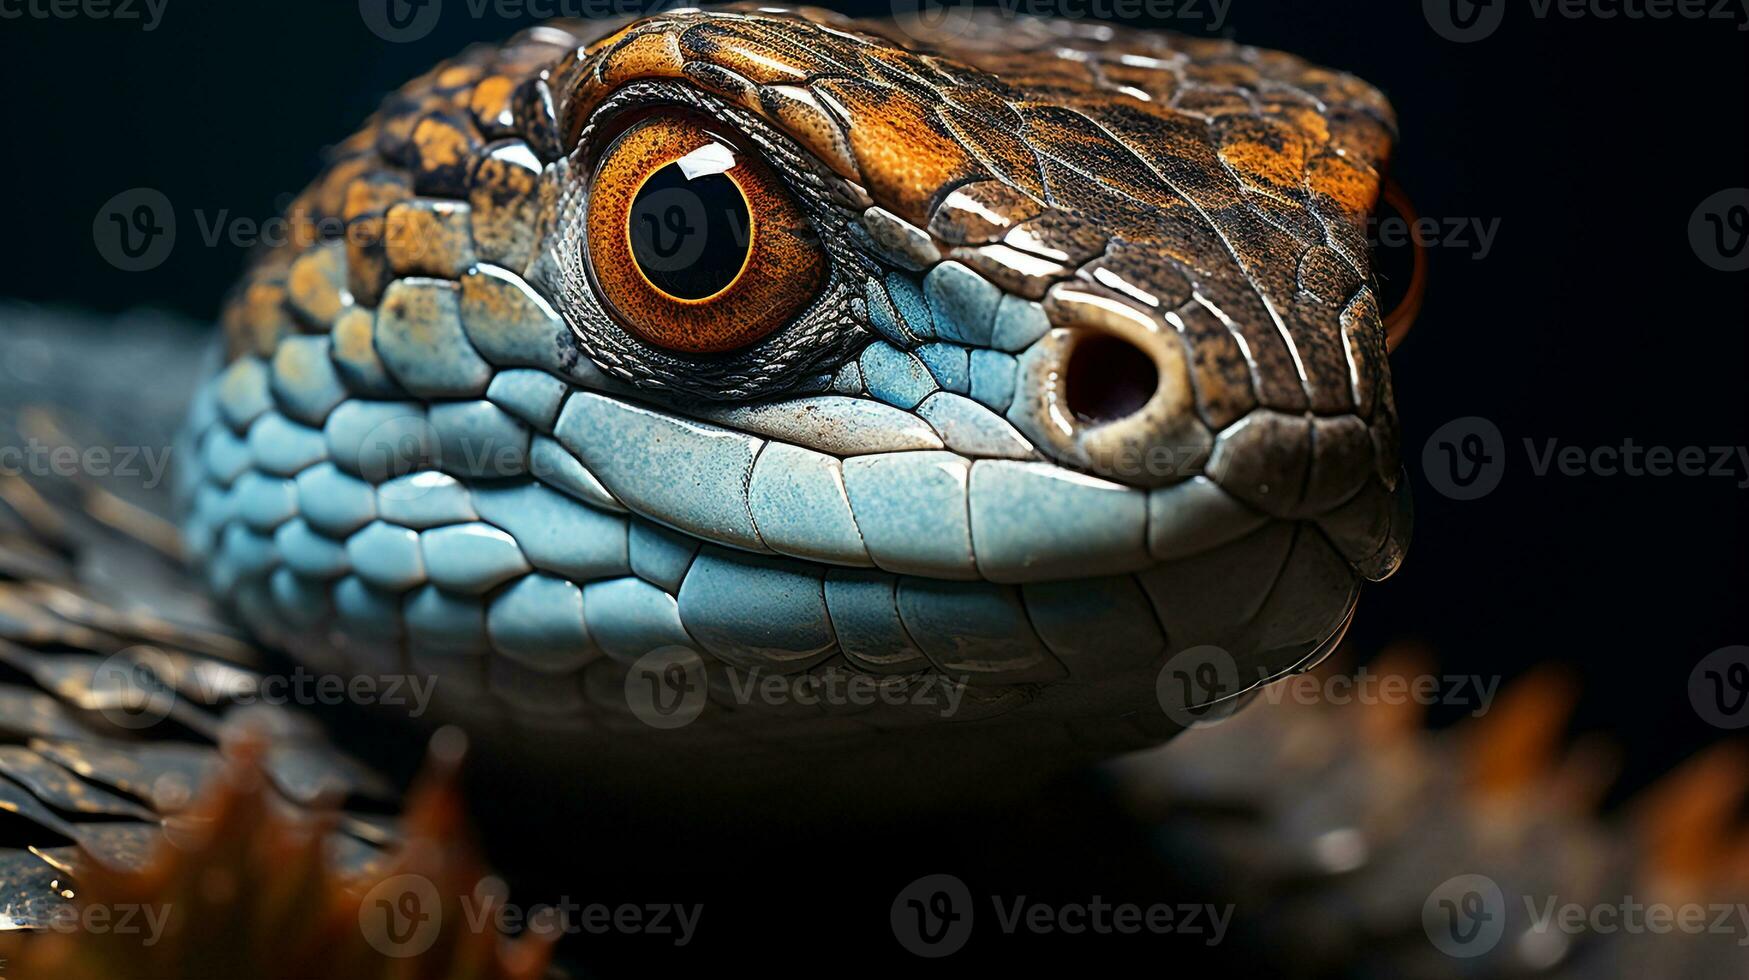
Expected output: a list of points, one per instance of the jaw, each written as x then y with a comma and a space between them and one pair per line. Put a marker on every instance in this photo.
860, 697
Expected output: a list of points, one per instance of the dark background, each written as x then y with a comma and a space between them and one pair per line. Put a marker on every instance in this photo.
1590, 141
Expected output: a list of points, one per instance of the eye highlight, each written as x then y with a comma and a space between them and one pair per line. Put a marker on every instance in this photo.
695, 244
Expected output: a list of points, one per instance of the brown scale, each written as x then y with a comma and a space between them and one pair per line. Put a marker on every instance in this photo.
981, 213
1222, 374
443, 144
993, 126
504, 195
316, 285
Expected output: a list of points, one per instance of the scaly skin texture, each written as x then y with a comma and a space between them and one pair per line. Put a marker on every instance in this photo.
432, 449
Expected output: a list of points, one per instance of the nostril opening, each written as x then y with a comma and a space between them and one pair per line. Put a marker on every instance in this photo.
1108, 378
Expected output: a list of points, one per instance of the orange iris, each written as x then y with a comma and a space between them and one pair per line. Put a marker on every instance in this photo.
696, 246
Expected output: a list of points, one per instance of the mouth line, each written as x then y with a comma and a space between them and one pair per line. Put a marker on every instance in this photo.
906, 509
855, 482
848, 482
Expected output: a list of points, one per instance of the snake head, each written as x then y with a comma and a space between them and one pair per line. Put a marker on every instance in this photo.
1027, 359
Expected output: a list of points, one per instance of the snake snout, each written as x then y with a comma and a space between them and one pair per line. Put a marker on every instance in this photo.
1108, 390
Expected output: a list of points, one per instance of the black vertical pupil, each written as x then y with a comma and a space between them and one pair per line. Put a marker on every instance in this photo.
689, 237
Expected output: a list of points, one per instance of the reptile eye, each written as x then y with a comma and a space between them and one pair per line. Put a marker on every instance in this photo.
694, 243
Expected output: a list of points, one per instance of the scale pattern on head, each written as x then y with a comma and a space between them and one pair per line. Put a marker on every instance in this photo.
1094, 375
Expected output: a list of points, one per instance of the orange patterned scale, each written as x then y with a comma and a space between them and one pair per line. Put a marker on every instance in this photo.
694, 242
